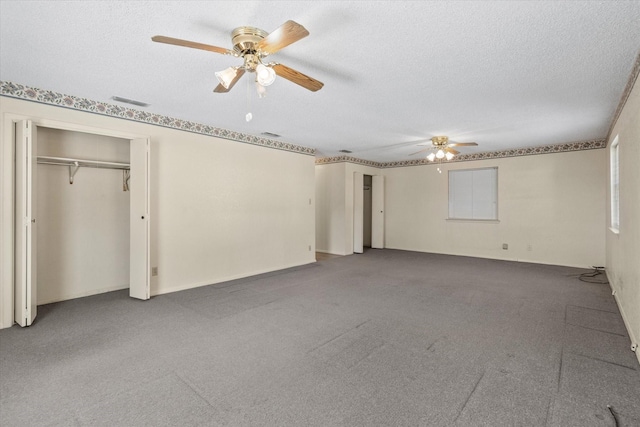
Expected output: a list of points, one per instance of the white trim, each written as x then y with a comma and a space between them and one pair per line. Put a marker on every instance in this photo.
69, 296
614, 185
187, 286
489, 221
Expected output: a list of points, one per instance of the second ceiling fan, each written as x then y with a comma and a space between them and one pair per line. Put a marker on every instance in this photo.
441, 147
253, 45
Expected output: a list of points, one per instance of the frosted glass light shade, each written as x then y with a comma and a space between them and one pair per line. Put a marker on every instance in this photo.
431, 157
225, 77
449, 155
440, 154
265, 75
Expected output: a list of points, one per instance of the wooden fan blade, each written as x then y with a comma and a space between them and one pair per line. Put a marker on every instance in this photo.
283, 36
418, 152
297, 77
194, 45
221, 89
462, 144
451, 150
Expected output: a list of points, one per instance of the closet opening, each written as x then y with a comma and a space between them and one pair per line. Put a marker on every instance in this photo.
81, 215
368, 212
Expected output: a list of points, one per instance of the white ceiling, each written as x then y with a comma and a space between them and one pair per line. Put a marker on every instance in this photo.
503, 74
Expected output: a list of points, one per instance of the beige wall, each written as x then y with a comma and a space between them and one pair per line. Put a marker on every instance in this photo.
334, 205
219, 209
330, 208
549, 210
623, 249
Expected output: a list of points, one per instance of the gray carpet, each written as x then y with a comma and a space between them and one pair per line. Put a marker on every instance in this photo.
386, 338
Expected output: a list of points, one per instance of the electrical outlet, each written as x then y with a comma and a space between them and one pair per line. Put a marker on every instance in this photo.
529, 247
505, 246
154, 271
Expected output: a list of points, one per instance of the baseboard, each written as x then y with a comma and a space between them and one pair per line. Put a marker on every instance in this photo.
224, 279
66, 297
633, 339
497, 258
322, 251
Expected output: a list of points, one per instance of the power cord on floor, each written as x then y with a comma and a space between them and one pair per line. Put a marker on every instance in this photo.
613, 413
593, 276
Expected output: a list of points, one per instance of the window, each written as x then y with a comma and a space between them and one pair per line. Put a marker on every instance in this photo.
473, 194
615, 185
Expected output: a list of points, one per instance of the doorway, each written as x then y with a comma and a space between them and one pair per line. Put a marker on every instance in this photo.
368, 212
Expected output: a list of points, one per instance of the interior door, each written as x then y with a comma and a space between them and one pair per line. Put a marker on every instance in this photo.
26, 283
139, 221
358, 212
377, 214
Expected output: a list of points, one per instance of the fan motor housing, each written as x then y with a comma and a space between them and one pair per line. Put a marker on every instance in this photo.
245, 39
440, 140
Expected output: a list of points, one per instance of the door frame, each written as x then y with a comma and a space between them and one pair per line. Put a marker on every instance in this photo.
7, 202
377, 211
358, 212
377, 217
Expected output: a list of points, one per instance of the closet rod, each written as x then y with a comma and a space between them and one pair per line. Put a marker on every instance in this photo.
62, 161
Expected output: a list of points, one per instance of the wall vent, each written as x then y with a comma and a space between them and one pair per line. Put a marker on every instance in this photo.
270, 135
130, 101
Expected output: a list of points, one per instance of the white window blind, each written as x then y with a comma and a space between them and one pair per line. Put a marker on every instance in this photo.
473, 194
615, 184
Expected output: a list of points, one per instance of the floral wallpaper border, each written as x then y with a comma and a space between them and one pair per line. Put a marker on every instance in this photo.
19, 91
546, 149
348, 159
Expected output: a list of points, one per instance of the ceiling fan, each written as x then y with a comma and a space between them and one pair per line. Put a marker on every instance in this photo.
440, 148
253, 45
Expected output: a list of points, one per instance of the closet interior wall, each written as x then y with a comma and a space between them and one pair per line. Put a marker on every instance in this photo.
83, 228
367, 209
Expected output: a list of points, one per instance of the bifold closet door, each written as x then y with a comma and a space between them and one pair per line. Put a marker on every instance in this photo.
26, 283
358, 212
377, 212
139, 225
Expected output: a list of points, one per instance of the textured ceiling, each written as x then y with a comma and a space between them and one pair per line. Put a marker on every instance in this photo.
503, 74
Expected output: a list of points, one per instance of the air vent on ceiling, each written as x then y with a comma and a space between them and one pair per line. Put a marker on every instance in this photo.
346, 151
130, 101
271, 135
